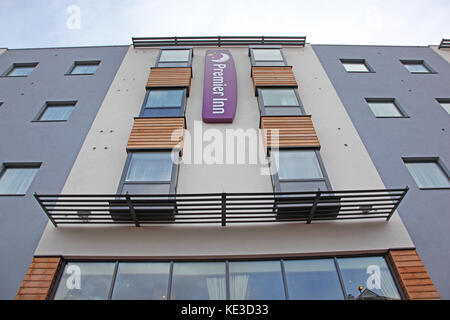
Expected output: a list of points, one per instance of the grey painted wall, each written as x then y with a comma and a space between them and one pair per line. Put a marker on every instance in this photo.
425, 133
55, 144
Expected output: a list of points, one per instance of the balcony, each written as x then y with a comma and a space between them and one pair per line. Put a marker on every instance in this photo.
221, 208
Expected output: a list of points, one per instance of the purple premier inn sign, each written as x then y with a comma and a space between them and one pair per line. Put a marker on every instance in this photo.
220, 87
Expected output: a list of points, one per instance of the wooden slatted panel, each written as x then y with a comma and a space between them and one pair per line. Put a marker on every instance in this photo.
156, 133
293, 131
412, 275
273, 77
170, 78
39, 280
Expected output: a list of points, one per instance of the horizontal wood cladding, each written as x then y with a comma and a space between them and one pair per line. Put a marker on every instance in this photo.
39, 280
170, 78
273, 77
289, 131
156, 133
412, 275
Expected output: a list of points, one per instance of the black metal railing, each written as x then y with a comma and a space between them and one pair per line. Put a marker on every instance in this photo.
445, 44
221, 208
217, 41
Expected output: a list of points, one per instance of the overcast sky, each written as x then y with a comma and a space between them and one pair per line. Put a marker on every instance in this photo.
51, 23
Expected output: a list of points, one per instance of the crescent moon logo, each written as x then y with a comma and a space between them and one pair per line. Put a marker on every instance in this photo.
224, 58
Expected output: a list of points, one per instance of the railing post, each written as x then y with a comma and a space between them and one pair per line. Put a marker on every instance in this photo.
224, 209
314, 206
218, 38
132, 212
45, 210
398, 203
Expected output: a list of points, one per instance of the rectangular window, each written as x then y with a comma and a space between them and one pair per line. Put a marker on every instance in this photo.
85, 281
314, 279
256, 280
427, 173
150, 167
298, 164
267, 57
174, 57
306, 279
84, 67
20, 70
142, 281
15, 180
367, 278
164, 103
198, 281
445, 103
274, 102
355, 65
56, 111
385, 108
416, 66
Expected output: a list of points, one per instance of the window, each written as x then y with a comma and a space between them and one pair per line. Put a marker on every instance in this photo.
142, 281
20, 70
428, 173
445, 103
256, 280
306, 279
15, 179
175, 57
416, 66
279, 102
198, 281
298, 170
85, 281
267, 57
385, 108
84, 67
56, 111
164, 103
150, 166
367, 276
355, 65
313, 280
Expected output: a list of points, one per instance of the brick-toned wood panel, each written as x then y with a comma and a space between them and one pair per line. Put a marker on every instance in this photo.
412, 275
273, 77
289, 131
156, 133
40, 278
170, 78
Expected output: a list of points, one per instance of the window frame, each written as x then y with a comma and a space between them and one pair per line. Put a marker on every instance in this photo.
47, 104
83, 63
394, 101
405, 62
440, 101
437, 160
8, 71
18, 165
276, 181
254, 62
160, 64
182, 107
356, 61
262, 107
281, 259
173, 182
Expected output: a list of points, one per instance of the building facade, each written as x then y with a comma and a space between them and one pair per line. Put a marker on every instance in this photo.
46, 110
167, 199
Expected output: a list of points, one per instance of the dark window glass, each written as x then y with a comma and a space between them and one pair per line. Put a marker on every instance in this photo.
313, 280
20, 71
56, 113
256, 280
164, 98
85, 281
142, 281
85, 68
198, 281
